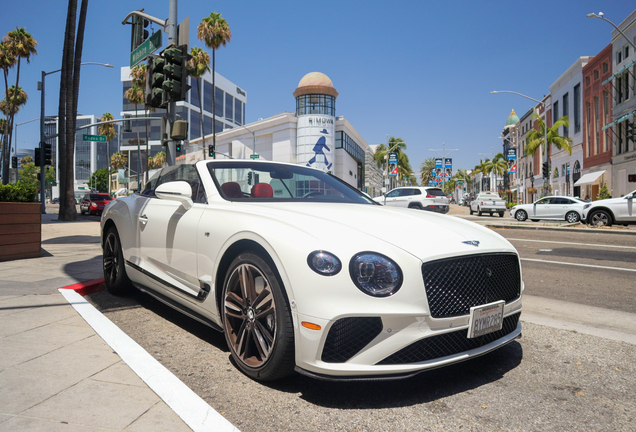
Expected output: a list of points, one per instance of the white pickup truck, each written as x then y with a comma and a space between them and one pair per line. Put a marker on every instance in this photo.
488, 202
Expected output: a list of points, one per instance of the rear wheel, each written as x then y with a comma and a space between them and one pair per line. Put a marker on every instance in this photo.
478, 211
115, 276
501, 214
600, 218
521, 215
257, 319
417, 206
572, 217
471, 210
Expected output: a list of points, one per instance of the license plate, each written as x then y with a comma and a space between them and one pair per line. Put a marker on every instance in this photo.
485, 319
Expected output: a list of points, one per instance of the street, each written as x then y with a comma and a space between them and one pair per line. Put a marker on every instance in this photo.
569, 371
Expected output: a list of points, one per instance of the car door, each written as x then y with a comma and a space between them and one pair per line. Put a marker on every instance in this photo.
626, 209
168, 236
391, 199
560, 206
541, 208
405, 197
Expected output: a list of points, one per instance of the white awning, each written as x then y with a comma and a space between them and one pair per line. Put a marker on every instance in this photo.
589, 178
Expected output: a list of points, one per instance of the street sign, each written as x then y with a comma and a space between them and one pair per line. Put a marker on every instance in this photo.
152, 44
254, 156
96, 138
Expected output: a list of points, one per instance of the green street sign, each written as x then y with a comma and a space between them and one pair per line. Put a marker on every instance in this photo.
254, 156
96, 138
152, 44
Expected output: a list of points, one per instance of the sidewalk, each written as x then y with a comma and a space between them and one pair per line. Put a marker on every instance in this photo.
56, 373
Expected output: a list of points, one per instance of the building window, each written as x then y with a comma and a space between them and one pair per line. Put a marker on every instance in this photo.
595, 74
587, 81
566, 111
207, 96
626, 85
577, 108
618, 57
195, 124
626, 52
347, 143
219, 96
194, 92
238, 112
606, 117
316, 104
587, 128
597, 126
605, 67
619, 147
555, 112
619, 89
229, 107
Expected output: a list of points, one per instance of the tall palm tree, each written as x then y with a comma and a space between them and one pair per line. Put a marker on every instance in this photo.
396, 145
108, 130
136, 95
215, 32
198, 65
498, 165
426, 170
462, 176
483, 169
118, 161
535, 138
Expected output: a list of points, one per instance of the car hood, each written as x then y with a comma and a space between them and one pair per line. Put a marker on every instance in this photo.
420, 233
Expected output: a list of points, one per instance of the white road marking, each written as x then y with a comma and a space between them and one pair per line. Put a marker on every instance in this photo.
577, 264
571, 243
193, 410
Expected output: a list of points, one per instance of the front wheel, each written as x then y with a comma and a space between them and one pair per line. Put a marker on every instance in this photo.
115, 276
600, 218
257, 319
572, 217
471, 210
521, 215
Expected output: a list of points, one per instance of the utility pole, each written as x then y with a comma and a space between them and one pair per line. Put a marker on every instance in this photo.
443, 154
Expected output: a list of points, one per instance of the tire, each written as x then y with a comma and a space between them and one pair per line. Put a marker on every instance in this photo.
534, 220
81, 210
572, 217
478, 211
521, 215
600, 218
501, 214
490, 214
257, 325
417, 207
115, 276
471, 210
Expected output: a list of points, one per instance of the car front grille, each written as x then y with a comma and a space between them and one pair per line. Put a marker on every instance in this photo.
448, 344
348, 336
454, 285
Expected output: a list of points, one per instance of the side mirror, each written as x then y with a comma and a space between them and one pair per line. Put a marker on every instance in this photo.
179, 191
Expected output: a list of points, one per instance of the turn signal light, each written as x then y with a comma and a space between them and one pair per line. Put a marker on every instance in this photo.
310, 326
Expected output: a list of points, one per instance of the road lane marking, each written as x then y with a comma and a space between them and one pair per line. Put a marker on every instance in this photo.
571, 243
192, 409
577, 264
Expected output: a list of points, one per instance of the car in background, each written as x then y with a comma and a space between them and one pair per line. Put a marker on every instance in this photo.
488, 202
94, 203
611, 211
428, 198
550, 208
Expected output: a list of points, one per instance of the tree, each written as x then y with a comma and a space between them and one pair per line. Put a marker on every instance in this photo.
396, 145
29, 175
498, 165
118, 161
215, 32
25, 160
198, 65
137, 95
99, 180
16, 45
483, 169
426, 170
67, 108
535, 138
158, 160
108, 130
462, 176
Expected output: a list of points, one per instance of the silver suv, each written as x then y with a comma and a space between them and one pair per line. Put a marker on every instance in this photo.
621, 211
423, 198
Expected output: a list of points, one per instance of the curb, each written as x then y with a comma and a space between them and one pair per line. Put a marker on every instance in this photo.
585, 230
87, 287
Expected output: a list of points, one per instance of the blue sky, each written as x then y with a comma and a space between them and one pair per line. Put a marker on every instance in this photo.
418, 70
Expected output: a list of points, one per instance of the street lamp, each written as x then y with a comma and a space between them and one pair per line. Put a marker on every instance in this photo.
253, 139
601, 16
545, 129
15, 143
42, 136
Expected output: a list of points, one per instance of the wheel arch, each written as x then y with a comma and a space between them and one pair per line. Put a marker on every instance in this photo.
604, 208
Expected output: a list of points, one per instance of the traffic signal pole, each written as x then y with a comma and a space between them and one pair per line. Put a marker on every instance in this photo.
173, 38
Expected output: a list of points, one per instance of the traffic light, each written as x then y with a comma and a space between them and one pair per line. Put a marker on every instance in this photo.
139, 33
14, 162
631, 178
175, 73
47, 154
546, 170
249, 177
178, 147
36, 158
154, 82
211, 150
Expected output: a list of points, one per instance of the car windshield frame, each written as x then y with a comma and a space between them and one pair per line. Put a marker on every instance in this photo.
100, 197
289, 183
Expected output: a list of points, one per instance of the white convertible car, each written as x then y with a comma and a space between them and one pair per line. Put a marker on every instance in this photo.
303, 272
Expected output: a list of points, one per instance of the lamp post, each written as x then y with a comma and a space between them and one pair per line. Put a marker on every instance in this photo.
545, 130
253, 139
443, 155
387, 182
15, 143
601, 16
42, 136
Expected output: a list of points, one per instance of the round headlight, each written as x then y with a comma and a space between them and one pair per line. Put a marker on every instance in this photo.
324, 263
375, 274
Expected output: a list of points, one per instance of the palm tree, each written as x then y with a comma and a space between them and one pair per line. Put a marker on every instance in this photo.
118, 161
25, 160
498, 165
198, 65
215, 31
396, 145
136, 95
463, 176
108, 130
426, 170
483, 169
535, 137
158, 160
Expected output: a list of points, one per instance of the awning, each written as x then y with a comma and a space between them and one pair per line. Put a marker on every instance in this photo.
618, 73
589, 178
617, 121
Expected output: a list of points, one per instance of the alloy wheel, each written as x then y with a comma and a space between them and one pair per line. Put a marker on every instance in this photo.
111, 258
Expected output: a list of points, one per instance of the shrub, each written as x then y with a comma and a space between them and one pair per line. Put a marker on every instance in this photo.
18, 192
603, 192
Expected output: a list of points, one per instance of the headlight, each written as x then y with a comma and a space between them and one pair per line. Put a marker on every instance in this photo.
324, 263
586, 206
93, 205
375, 274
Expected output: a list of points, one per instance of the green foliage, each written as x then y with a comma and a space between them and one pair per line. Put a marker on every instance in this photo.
18, 192
29, 175
603, 192
99, 180
426, 170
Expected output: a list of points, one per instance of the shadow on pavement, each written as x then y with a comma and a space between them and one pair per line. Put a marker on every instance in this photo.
76, 239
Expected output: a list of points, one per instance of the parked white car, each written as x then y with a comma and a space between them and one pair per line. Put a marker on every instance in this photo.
428, 198
304, 273
611, 211
550, 208
488, 202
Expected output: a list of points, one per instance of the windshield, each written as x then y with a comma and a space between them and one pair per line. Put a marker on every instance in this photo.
276, 182
101, 197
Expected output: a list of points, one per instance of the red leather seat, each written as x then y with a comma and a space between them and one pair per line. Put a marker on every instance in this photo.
232, 190
262, 190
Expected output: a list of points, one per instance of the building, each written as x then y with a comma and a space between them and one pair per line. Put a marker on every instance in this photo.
597, 114
623, 83
565, 168
525, 164
312, 136
229, 100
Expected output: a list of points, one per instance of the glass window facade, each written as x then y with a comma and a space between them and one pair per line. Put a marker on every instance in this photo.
316, 104
229, 107
566, 111
195, 124
219, 96
82, 152
207, 96
238, 112
577, 108
194, 92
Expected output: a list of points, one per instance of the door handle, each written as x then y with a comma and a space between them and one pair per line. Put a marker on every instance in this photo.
143, 219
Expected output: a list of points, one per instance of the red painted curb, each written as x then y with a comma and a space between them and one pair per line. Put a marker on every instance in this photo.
87, 287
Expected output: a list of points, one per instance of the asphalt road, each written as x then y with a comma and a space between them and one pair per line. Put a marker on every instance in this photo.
550, 380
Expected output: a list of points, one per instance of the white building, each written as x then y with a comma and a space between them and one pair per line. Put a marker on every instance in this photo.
565, 168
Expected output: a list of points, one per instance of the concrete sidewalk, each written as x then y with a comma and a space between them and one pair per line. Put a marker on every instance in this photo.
56, 373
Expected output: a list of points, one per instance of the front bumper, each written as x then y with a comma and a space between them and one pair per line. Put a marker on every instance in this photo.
438, 208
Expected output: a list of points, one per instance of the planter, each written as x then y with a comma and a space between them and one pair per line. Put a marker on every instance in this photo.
20, 230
